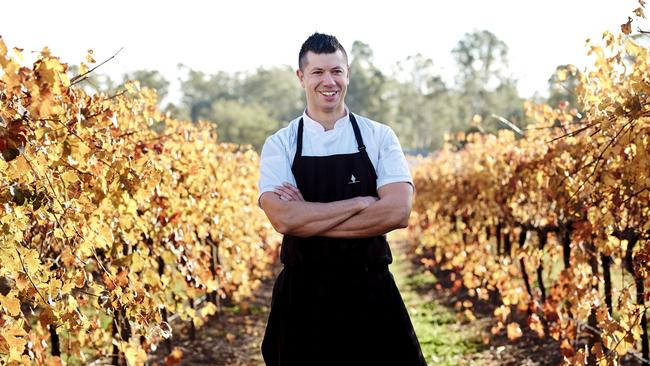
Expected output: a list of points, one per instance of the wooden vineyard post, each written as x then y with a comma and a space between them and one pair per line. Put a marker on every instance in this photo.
632, 238
498, 235
56, 342
163, 311
115, 358
543, 238
591, 321
507, 244
565, 238
192, 327
607, 276
214, 263
524, 274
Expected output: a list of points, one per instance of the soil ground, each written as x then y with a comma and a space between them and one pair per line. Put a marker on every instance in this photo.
447, 337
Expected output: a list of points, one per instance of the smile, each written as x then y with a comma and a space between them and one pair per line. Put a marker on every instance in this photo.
329, 93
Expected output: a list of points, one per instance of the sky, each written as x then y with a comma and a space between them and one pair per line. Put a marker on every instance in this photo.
244, 35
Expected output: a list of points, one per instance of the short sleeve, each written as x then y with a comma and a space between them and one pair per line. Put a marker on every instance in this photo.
392, 166
274, 165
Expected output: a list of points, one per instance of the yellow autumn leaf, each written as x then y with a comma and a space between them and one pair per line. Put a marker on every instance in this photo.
3, 50
19, 53
208, 309
513, 331
89, 57
67, 288
104, 235
137, 262
83, 68
20, 167
639, 12
69, 177
16, 340
134, 355
11, 303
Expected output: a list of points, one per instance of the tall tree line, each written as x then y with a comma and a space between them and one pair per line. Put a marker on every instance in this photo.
413, 99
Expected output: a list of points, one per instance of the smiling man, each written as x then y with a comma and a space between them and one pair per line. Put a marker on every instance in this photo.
334, 183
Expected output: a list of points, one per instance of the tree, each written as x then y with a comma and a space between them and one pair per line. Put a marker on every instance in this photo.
562, 86
247, 107
484, 87
243, 124
277, 89
482, 60
367, 92
200, 91
422, 112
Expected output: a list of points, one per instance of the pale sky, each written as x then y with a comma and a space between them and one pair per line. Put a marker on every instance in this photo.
243, 35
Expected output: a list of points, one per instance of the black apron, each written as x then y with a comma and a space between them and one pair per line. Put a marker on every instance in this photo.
335, 303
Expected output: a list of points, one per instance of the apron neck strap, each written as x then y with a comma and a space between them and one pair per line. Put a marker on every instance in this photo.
357, 133
299, 143
357, 136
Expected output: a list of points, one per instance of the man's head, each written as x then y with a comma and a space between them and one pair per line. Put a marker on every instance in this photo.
323, 73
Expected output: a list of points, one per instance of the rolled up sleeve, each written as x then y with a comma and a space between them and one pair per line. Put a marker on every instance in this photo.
274, 165
392, 166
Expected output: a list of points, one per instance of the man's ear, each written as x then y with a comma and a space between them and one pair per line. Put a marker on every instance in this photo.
301, 77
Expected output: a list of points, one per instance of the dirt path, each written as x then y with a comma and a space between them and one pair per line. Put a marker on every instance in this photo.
446, 337
230, 339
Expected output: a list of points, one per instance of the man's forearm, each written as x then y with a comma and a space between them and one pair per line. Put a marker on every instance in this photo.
315, 217
305, 219
378, 219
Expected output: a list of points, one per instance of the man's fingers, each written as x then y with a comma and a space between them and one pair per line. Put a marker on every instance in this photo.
283, 194
293, 189
284, 197
286, 193
290, 186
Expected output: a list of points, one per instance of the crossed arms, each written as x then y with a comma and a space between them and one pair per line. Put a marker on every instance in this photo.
356, 217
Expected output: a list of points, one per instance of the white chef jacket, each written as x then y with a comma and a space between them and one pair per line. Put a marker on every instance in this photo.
383, 148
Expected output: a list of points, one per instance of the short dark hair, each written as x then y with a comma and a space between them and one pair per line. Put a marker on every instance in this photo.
319, 43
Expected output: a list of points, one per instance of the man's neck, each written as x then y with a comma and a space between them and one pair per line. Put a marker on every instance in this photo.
326, 119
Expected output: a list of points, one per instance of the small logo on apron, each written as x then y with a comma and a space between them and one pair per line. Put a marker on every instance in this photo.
353, 180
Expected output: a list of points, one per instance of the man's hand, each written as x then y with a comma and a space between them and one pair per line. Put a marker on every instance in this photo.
390, 212
288, 192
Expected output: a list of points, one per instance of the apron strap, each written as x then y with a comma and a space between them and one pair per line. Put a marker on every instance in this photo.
361, 146
357, 135
299, 142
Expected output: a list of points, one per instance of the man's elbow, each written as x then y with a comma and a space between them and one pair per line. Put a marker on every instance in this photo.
275, 212
282, 224
401, 218
286, 226
281, 228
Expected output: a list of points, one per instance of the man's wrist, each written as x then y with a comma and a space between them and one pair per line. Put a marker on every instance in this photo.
362, 203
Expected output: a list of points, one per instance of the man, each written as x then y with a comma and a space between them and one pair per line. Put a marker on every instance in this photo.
334, 183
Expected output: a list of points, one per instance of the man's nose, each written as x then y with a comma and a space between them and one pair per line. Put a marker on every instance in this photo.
328, 79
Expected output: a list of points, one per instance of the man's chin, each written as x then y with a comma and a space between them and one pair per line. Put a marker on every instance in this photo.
331, 107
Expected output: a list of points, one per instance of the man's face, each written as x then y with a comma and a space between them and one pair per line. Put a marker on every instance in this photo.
325, 79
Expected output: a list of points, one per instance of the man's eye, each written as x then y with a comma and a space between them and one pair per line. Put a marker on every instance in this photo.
317, 72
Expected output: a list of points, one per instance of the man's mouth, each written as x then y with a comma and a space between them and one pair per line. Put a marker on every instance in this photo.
329, 93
